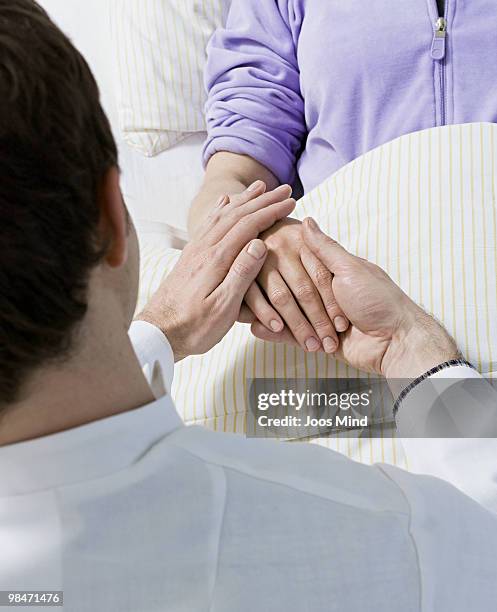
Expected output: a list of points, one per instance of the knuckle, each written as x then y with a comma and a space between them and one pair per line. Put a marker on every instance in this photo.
236, 198
257, 304
242, 270
244, 223
205, 258
321, 324
276, 242
253, 300
258, 308
217, 257
279, 297
304, 292
213, 257
299, 326
331, 305
232, 214
272, 242
323, 277
264, 313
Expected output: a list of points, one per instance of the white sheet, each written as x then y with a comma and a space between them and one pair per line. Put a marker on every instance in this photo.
160, 189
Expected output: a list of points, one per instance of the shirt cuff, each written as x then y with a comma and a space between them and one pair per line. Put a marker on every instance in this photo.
440, 405
155, 355
459, 371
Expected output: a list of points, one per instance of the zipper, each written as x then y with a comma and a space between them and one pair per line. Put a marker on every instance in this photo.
438, 52
438, 42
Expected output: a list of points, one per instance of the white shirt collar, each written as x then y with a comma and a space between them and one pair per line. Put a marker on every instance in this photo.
86, 452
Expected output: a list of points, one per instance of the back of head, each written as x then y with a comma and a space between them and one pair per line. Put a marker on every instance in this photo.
55, 147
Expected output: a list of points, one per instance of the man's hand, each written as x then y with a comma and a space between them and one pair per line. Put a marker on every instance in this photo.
285, 293
200, 300
230, 174
298, 286
389, 334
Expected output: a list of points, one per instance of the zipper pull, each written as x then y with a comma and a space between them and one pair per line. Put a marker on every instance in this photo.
438, 42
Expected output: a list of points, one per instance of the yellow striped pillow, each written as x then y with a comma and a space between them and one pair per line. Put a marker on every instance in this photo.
423, 207
160, 54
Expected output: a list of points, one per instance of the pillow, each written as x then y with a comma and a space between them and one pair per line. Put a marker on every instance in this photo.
422, 207
160, 52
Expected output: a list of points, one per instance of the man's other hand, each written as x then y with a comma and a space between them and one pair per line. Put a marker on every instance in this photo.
389, 334
198, 303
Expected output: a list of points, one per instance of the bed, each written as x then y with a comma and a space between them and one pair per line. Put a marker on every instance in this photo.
436, 233
423, 207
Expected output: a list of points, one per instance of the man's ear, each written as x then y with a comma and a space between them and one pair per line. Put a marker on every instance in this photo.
113, 224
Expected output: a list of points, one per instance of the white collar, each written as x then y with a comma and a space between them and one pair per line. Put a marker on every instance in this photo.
86, 452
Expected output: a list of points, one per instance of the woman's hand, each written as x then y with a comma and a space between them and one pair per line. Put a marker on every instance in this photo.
389, 334
297, 285
200, 300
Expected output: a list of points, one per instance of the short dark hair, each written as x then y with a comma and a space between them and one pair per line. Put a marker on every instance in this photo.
56, 145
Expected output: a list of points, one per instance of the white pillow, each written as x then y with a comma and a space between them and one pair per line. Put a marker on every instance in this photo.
424, 208
160, 52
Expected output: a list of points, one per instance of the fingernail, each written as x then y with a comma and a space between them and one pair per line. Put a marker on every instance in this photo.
275, 325
329, 345
341, 324
255, 186
312, 344
257, 249
312, 224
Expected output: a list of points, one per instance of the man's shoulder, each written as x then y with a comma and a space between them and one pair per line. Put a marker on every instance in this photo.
307, 468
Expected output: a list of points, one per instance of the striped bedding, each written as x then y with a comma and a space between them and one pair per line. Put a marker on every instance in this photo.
423, 207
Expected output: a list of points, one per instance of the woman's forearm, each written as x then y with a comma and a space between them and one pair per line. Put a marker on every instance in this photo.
226, 174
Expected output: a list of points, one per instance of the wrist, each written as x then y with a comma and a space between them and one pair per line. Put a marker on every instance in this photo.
169, 326
210, 192
419, 345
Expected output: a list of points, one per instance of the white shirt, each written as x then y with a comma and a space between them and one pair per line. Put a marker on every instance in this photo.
138, 513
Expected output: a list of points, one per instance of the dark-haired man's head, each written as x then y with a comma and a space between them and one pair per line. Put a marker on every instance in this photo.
63, 225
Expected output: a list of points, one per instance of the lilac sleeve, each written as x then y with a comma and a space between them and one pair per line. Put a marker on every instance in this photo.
254, 104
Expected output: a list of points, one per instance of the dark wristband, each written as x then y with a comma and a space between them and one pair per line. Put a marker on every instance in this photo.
420, 379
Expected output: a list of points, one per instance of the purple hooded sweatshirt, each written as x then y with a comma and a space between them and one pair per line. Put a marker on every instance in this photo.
312, 84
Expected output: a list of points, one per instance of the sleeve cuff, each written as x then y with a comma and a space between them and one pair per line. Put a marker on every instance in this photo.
454, 403
267, 151
459, 371
155, 355
442, 367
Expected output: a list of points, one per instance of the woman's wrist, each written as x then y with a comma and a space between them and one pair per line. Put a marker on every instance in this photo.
207, 198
